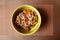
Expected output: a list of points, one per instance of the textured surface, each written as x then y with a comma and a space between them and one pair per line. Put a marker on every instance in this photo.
47, 32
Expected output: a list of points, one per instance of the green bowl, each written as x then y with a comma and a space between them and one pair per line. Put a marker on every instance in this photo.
35, 28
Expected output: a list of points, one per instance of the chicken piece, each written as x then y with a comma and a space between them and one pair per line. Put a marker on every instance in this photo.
24, 11
26, 28
17, 20
21, 16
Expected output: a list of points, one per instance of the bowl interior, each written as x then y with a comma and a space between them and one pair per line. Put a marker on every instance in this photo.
35, 28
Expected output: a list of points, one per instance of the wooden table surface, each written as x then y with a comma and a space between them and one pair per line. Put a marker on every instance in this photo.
47, 10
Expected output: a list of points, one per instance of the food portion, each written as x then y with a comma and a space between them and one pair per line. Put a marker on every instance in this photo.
26, 19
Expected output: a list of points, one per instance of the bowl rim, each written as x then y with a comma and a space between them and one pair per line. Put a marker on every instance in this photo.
13, 25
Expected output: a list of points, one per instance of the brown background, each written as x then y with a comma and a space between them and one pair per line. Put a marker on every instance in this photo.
7, 7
